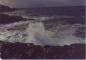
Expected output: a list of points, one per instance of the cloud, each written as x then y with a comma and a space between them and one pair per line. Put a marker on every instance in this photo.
42, 3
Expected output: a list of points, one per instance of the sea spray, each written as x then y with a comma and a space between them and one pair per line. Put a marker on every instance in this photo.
37, 34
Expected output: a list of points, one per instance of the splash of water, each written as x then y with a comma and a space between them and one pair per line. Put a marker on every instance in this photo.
37, 34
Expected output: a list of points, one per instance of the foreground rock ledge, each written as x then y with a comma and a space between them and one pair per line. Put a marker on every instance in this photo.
31, 51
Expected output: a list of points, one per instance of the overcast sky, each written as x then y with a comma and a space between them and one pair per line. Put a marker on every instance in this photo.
42, 3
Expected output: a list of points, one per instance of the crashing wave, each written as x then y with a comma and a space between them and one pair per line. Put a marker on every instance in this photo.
35, 32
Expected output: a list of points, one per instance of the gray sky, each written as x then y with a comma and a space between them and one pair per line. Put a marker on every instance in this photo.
42, 3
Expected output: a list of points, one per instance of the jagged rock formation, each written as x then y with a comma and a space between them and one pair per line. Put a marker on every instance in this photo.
31, 51
5, 19
4, 8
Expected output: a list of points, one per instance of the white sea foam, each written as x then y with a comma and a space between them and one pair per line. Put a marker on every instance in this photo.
36, 33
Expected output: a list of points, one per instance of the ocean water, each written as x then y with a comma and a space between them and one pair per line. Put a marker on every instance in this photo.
43, 30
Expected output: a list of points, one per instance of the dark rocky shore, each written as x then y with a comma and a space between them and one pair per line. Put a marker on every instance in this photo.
31, 51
